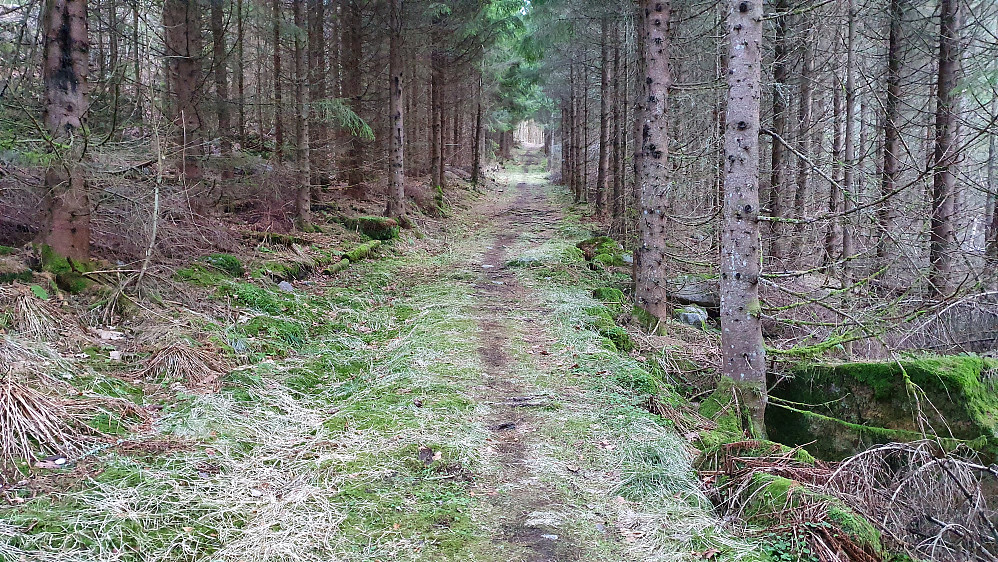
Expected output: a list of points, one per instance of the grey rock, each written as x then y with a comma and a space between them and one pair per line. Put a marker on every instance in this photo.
693, 315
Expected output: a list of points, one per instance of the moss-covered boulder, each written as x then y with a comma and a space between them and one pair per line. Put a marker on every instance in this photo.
376, 228
226, 263
768, 497
603, 250
837, 410
601, 321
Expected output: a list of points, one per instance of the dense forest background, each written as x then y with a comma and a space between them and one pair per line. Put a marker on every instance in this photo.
779, 191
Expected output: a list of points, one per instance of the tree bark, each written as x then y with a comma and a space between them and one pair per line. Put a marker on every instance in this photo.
604, 118
778, 173
805, 109
743, 352
617, 196
942, 237
220, 63
65, 60
832, 239
892, 134
476, 158
436, 115
653, 172
354, 51
396, 160
303, 157
182, 35
991, 249
278, 90
317, 89
241, 73
849, 190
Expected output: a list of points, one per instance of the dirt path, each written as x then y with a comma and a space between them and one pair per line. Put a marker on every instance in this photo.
509, 316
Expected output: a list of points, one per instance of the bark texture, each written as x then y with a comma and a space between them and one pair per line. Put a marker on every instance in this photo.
64, 66
396, 156
942, 236
182, 38
653, 171
743, 352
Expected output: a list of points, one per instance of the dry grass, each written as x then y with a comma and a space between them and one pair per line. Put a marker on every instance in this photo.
930, 503
31, 422
196, 368
28, 315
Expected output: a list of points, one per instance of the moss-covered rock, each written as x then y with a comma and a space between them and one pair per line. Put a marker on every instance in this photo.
603, 250
768, 497
601, 321
841, 409
376, 228
225, 262
611, 298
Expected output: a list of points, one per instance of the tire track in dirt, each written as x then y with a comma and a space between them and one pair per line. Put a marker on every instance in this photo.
513, 420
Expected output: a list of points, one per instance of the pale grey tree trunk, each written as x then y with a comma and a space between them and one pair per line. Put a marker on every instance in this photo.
743, 352
653, 173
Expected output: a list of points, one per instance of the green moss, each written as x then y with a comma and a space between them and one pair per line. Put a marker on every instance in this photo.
7, 250
225, 262
23, 276
610, 297
200, 275
289, 332
620, 338
362, 251
376, 228
855, 405
69, 274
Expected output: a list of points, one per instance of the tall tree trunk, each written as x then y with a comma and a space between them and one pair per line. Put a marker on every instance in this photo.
742, 349
942, 236
354, 52
476, 158
220, 64
65, 60
436, 114
137, 62
604, 118
617, 197
892, 134
396, 161
278, 90
653, 172
778, 173
849, 189
832, 239
317, 89
991, 251
805, 109
303, 157
241, 73
182, 34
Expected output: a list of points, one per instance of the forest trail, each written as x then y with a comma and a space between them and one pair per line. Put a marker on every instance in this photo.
455, 399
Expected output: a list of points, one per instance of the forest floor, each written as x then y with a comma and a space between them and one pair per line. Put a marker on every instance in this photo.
449, 401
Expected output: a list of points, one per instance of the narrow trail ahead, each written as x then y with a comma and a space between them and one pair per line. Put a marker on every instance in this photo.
456, 399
